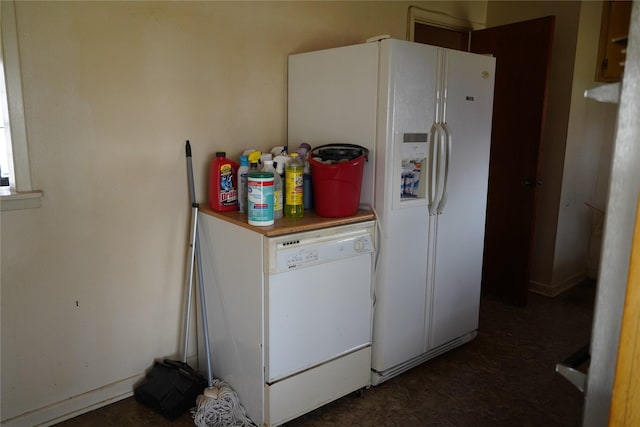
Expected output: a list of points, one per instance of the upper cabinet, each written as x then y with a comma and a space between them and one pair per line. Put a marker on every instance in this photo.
614, 30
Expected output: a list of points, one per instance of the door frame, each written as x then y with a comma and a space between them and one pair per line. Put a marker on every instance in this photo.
438, 19
616, 277
626, 386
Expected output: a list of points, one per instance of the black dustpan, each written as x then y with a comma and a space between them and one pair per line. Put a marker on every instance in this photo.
171, 386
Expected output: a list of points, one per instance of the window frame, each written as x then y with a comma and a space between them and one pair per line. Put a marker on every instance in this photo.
20, 194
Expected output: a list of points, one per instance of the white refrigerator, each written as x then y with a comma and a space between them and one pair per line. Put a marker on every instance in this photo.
424, 113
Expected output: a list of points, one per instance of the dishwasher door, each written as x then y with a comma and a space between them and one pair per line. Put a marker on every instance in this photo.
319, 298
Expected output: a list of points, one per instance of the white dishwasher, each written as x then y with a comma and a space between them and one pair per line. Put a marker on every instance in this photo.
319, 294
290, 315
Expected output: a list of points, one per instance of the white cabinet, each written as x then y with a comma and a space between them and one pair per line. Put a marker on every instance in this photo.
289, 311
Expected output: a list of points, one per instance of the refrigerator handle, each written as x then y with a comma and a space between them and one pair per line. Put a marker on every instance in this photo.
447, 163
432, 168
439, 169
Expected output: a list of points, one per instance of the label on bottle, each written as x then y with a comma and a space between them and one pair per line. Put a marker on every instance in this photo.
228, 192
277, 203
242, 192
294, 187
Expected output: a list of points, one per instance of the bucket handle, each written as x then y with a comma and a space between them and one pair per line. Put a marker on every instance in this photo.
365, 151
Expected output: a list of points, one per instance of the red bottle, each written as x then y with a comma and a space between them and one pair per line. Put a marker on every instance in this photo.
223, 185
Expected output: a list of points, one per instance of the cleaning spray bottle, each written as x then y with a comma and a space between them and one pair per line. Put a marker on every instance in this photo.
243, 172
279, 163
277, 189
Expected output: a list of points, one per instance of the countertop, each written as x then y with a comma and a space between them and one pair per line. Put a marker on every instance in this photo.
310, 221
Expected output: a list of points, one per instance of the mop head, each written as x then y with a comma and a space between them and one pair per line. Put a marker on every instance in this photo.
219, 406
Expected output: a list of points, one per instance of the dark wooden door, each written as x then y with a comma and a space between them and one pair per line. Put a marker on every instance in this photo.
523, 57
443, 37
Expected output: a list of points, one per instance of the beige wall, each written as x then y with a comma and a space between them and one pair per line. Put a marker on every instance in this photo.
92, 280
588, 165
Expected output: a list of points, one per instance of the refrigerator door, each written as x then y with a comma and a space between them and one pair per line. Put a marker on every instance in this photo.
459, 238
406, 111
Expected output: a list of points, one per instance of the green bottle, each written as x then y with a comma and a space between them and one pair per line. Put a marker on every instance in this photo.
294, 179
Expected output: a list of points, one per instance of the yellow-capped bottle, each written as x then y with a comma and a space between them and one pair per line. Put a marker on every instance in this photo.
294, 184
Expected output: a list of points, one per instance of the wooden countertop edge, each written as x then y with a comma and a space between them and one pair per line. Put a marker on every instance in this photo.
310, 221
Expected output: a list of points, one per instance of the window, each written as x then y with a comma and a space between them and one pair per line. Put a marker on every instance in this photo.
19, 195
6, 161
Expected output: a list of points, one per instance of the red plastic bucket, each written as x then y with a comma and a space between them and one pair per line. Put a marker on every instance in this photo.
336, 176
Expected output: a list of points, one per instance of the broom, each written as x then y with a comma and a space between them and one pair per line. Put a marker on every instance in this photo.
171, 387
219, 405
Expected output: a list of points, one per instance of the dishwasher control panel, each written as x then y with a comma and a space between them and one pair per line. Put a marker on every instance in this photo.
307, 249
302, 257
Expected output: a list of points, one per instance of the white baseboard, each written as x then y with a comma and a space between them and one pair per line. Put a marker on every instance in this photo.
74, 406
555, 289
77, 405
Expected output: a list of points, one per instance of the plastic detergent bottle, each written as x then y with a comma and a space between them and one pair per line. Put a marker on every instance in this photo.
279, 163
243, 172
278, 204
223, 189
293, 175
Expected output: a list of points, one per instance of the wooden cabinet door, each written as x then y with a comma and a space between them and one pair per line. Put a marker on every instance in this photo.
613, 32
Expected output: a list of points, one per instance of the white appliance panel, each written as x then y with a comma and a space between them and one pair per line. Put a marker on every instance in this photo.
412, 85
332, 98
313, 388
316, 314
430, 242
460, 227
299, 252
256, 314
409, 80
401, 276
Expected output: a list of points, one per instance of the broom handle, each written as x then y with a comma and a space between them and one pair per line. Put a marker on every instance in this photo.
201, 287
192, 252
203, 309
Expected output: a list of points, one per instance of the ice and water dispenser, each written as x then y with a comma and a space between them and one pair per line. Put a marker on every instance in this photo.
413, 166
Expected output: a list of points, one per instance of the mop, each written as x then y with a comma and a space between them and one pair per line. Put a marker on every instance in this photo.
219, 405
